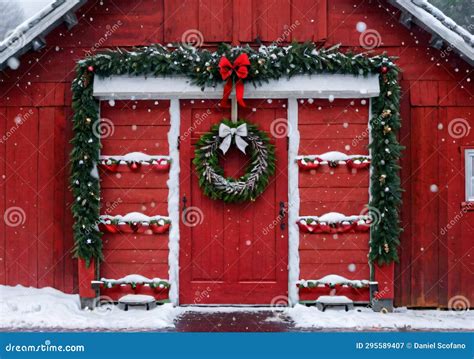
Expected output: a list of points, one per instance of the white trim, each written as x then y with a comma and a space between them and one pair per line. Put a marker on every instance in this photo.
293, 203
469, 175
173, 202
300, 86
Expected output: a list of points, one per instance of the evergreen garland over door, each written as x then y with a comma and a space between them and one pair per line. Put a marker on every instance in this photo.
233, 253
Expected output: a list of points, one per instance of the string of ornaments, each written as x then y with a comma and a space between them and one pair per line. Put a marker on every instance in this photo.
201, 66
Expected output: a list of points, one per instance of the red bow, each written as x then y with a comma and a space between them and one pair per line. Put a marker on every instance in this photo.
226, 70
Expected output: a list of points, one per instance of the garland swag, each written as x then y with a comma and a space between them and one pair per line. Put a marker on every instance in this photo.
266, 63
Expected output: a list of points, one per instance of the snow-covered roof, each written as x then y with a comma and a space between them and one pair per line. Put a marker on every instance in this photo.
442, 27
30, 34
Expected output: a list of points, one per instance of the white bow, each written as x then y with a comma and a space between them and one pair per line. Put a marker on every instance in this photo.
226, 133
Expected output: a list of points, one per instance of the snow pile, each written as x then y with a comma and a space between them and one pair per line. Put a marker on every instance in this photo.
133, 217
333, 280
135, 278
32, 308
135, 157
363, 318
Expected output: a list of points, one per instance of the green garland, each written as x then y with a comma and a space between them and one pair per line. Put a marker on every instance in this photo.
257, 175
201, 67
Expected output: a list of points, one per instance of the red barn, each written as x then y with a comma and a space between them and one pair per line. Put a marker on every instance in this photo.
308, 231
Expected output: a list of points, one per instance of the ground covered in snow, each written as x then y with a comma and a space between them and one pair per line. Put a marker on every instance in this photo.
362, 318
24, 308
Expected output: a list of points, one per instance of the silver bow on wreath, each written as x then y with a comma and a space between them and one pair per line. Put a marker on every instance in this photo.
227, 132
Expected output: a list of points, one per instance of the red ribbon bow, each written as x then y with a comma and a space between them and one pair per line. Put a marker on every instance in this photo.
226, 70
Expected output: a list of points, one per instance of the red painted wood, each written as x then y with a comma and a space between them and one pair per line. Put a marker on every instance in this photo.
86, 275
230, 254
437, 79
139, 126
3, 176
425, 207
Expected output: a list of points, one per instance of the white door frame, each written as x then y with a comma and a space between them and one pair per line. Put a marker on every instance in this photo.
174, 88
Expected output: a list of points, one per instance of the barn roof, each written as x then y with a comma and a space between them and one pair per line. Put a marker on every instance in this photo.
30, 34
444, 30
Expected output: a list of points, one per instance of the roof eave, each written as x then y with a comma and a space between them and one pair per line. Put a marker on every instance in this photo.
34, 38
416, 15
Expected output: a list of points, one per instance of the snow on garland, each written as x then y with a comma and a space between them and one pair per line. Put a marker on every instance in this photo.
333, 159
134, 161
211, 175
133, 280
201, 66
134, 222
334, 222
333, 280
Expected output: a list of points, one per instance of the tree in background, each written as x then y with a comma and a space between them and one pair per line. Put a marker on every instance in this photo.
461, 11
11, 15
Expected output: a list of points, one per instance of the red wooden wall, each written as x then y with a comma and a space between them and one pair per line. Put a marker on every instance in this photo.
340, 126
34, 155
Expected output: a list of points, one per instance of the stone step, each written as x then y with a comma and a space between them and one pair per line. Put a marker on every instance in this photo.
136, 300
334, 301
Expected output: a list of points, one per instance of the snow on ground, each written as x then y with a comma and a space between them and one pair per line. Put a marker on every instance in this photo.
363, 318
23, 308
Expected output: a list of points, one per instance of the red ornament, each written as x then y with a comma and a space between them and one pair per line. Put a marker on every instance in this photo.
108, 227
157, 229
112, 167
90, 68
239, 68
162, 165
384, 69
359, 165
308, 165
135, 166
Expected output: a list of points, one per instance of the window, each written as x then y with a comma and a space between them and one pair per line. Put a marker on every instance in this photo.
469, 158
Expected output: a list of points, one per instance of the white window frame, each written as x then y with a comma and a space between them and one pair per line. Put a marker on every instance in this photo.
469, 175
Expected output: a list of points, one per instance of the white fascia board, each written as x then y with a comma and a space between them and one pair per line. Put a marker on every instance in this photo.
428, 22
300, 86
45, 23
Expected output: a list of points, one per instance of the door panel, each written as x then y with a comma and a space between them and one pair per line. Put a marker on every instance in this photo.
235, 254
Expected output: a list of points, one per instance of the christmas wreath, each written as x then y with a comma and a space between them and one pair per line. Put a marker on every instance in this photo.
211, 175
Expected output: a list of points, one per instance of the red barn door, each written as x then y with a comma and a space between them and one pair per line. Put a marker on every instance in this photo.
232, 253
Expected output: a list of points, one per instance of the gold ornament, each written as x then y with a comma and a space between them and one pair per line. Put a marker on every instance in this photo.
209, 68
386, 113
261, 61
382, 178
198, 69
386, 129
88, 120
386, 248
